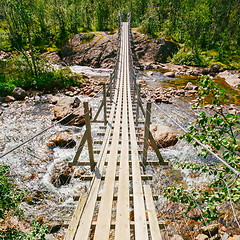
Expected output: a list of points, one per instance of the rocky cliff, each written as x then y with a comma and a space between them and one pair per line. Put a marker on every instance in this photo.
100, 50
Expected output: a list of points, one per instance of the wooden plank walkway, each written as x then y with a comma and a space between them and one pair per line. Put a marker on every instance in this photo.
122, 189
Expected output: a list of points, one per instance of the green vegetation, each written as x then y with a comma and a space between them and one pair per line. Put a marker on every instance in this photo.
201, 27
219, 131
10, 197
16, 73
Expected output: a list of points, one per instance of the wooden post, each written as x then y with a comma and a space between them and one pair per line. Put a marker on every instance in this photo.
104, 104
89, 137
146, 133
111, 78
138, 102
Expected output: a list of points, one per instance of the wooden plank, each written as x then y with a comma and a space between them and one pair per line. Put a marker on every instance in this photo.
75, 219
152, 216
84, 163
161, 225
103, 177
122, 217
141, 231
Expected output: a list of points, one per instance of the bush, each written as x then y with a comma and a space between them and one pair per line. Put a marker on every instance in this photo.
188, 58
15, 73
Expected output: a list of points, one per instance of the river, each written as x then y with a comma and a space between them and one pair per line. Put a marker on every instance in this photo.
31, 165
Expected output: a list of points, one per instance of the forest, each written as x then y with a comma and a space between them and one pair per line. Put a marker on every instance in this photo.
205, 27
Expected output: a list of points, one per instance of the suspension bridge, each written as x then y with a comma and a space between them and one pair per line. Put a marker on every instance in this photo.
118, 174
119, 203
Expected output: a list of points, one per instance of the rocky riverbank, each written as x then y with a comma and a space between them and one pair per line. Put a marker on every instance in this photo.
99, 50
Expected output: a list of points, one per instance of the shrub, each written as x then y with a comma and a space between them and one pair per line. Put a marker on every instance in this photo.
188, 58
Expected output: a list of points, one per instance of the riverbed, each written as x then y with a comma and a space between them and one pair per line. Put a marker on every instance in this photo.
31, 165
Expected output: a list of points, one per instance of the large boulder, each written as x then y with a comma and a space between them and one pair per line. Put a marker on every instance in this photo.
66, 106
163, 135
61, 174
19, 93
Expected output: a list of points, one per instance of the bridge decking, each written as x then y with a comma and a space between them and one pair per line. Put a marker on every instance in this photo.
119, 195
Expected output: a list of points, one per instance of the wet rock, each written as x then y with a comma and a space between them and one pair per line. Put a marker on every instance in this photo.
191, 86
76, 103
55, 226
34, 197
158, 100
210, 229
195, 214
5, 105
163, 135
213, 74
166, 101
64, 140
53, 100
76, 197
195, 73
79, 173
169, 74
193, 92
215, 68
206, 71
202, 237
69, 93
19, 93
66, 106
180, 92
61, 174
30, 176
9, 99
150, 73
176, 237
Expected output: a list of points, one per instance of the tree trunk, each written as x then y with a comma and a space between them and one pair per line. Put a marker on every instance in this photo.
31, 51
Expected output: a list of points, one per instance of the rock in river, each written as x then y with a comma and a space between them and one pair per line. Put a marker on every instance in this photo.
67, 105
163, 135
64, 140
61, 174
19, 93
